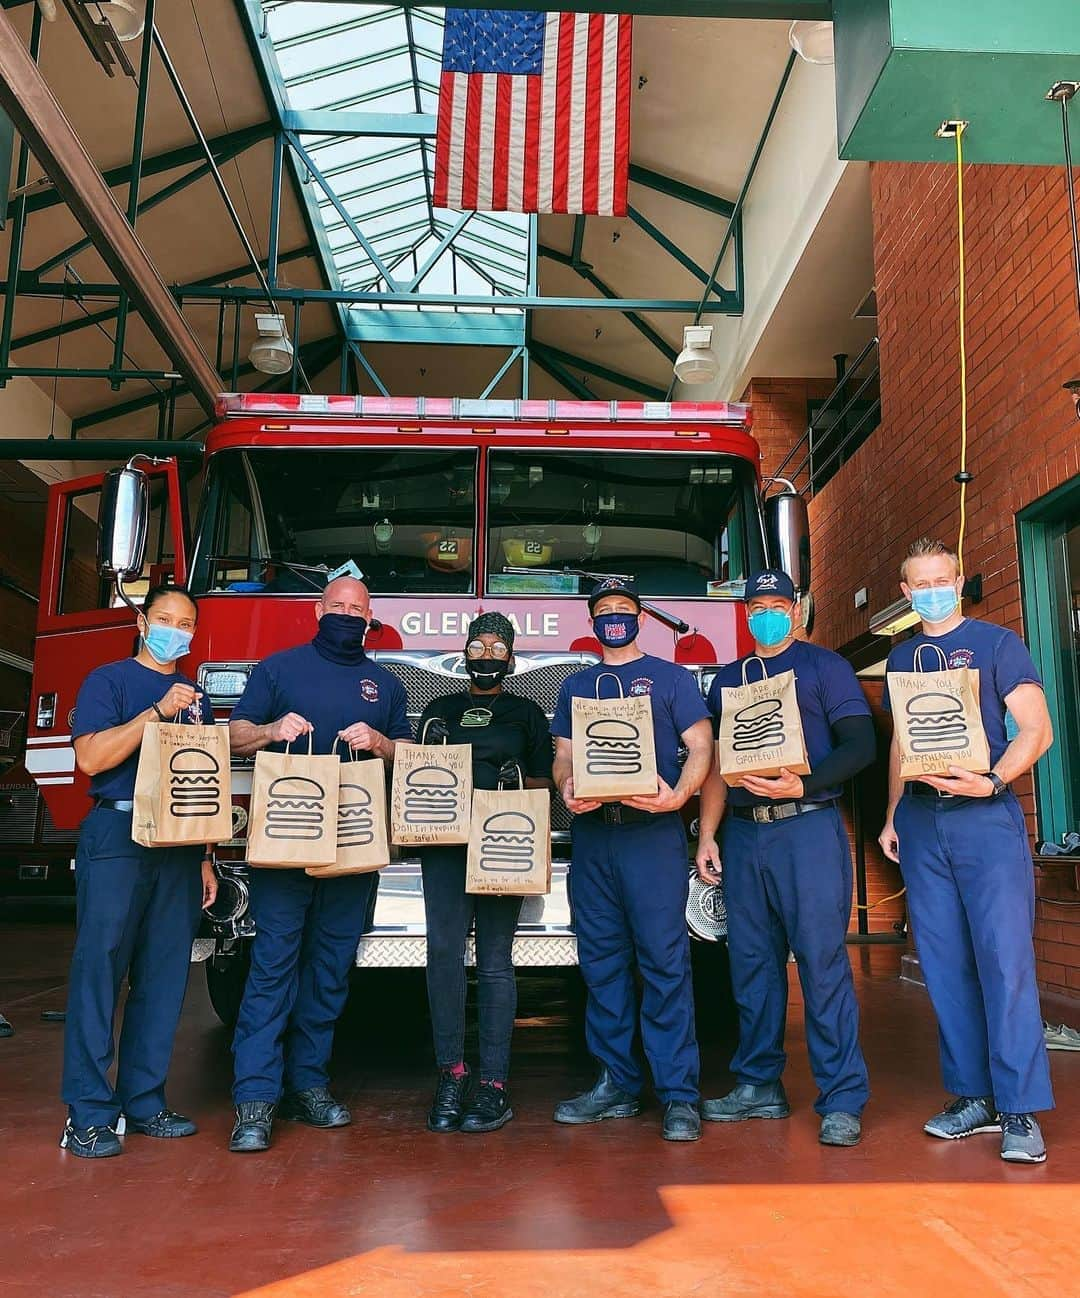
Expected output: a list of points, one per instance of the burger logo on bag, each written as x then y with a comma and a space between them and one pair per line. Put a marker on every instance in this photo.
936, 723
295, 807
506, 842
355, 822
194, 783
431, 796
758, 725
612, 747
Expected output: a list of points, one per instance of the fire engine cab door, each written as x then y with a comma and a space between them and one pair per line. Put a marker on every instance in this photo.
73, 596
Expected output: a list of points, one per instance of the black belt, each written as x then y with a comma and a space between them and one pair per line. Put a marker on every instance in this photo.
114, 804
917, 789
767, 812
614, 813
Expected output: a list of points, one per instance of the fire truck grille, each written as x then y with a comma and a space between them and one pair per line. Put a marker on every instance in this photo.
18, 815
540, 682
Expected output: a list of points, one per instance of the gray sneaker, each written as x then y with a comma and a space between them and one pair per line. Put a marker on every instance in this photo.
1060, 1037
1021, 1139
840, 1129
967, 1116
748, 1101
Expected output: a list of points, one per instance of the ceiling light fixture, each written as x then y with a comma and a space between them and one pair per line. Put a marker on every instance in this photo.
811, 40
697, 363
125, 17
271, 352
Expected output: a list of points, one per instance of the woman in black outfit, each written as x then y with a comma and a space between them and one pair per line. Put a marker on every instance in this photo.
508, 734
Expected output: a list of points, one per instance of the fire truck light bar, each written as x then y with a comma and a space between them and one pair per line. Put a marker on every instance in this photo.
460, 408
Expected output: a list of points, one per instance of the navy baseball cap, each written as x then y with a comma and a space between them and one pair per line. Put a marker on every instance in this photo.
769, 581
614, 586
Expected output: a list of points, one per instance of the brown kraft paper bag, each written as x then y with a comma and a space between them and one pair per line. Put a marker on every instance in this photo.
613, 748
937, 719
431, 794
294, 804
510, 843
183, 786
760, 728
361, 820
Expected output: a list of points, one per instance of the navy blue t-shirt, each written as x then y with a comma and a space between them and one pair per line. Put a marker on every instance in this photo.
1000, 655
673, 692
826, 688
330, 695
114, 694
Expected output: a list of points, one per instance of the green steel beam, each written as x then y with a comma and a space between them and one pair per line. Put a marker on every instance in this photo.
786, 9
522, 301
515, 355
341, 122
224, 147
569, 381
369, 369
570, 361
465, 328
679, 189
444, 243
659, 237
578, 240
346, 65
373, 96
414, 50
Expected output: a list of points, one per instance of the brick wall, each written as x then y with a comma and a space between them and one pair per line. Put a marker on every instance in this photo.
1023, 342
779, 407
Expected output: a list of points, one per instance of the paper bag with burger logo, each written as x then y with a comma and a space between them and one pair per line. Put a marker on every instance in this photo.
361, 820
937, 718
294, 806
431, 794
183, 791
614, 751
510, 842
761, 728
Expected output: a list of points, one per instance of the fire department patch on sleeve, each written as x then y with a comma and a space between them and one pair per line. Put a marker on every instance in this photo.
369, 690
641, 685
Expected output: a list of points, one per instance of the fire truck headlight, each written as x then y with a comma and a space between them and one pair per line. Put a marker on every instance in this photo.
223, 682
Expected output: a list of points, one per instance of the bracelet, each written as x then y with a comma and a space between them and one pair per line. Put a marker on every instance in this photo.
161, 715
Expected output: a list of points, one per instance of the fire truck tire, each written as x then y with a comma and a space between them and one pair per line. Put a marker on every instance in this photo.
225, 979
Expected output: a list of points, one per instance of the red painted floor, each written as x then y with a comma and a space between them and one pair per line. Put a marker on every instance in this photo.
383, 1208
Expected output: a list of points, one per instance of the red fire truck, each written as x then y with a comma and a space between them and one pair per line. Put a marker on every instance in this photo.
448, 507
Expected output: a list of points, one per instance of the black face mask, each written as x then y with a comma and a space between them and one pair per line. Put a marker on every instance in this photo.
340, 638
486, 673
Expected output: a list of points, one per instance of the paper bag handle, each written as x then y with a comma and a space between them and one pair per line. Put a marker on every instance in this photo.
615, 678
423, 733
916, 661
351, 750
310, 742
520, 777
753, 658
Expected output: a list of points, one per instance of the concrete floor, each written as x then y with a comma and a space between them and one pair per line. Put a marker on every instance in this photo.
383, 1208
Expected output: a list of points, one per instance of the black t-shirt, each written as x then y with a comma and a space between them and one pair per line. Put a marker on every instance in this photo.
517, 731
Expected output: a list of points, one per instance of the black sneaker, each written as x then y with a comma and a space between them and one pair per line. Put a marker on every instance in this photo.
448, 1107
490, 1109
605, 1100
90, 1142
251, 1132
316, 1107
968, 1115
6, 1030
165, 1125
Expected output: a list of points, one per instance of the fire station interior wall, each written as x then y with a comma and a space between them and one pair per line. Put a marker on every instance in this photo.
1023, 342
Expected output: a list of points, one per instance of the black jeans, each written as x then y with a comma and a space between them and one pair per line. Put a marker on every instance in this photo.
450, 911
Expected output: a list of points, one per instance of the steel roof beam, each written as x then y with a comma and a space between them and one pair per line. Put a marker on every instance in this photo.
342, 122
570, 361
679, 189
30, 104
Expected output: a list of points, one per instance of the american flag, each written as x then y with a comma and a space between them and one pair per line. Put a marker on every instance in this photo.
534, 112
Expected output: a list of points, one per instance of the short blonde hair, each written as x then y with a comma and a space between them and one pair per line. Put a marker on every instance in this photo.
928, 548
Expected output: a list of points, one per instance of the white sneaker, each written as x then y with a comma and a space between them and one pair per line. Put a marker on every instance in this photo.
1058, 1036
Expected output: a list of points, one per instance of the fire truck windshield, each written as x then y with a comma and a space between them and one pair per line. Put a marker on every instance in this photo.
274, 519
680, 524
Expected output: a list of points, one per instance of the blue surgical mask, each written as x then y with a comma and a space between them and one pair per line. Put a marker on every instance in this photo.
769, 626
166, 643
616, 629
936, 603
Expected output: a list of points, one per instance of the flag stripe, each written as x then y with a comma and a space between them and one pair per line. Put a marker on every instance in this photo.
536, 115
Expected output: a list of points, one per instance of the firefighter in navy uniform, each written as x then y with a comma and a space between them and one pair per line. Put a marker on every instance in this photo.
307, 929
963, 849
628, 883
787, 879
137, 909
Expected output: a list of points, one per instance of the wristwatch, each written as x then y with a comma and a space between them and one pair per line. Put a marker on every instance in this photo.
999, 784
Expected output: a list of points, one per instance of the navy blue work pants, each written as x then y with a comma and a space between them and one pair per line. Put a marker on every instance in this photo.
971, 898
628, 889
787, 885
306, 934
136, 913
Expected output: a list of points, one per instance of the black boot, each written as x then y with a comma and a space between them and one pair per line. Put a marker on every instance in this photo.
451, 1099
316, 1107
251, 1134
490, 1109
682, 1121
605, 1100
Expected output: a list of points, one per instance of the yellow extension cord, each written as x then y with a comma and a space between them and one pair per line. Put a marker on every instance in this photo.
960, 128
